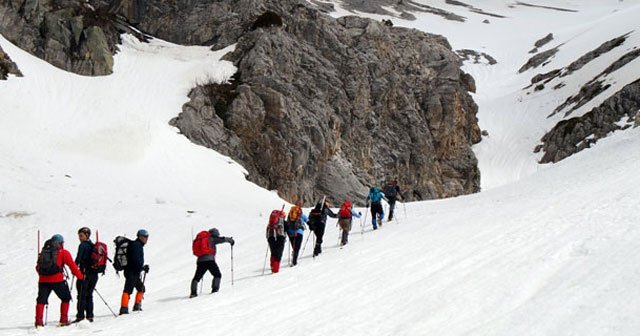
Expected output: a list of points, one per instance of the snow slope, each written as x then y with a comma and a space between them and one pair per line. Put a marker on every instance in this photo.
542, 252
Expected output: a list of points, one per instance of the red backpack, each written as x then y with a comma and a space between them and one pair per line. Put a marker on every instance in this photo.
276, 218
99, 257
201, 246
345, 210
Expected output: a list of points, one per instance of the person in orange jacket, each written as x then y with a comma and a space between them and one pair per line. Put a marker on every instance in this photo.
50, 267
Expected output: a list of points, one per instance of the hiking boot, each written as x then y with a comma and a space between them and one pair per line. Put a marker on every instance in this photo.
78, 319
124, 310
137, 307
193, 295
90, 319
63, 324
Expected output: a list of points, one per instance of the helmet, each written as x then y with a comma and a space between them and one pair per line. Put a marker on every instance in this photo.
214, 232
57, 238
85, 230
142, 233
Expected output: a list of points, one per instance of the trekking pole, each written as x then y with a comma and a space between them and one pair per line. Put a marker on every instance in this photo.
289, 253
231, 265
105, 302
46, 313
365, 221
264, 266
201, 284
305, 243
405, 209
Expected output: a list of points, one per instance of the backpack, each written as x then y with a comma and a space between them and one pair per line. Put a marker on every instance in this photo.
315, 217
345, 210
375, 195
390, 191
48, 259
99, 257
294, 213
201, 246
276, 222
120, 257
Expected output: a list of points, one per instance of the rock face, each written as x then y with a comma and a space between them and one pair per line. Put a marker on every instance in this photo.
318, 106
7, 66
73, 35
323, 106
573, 135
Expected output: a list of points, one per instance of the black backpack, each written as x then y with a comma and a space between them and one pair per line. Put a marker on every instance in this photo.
48, 259
315, 217
120, 256
390, 191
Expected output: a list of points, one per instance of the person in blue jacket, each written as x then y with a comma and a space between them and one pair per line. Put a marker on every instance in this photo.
377, 214
295, 229
132, 272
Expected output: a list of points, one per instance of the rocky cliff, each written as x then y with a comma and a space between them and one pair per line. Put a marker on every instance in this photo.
318, 105
324, 106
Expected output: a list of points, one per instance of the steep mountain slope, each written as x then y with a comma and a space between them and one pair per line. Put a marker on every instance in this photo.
566, 91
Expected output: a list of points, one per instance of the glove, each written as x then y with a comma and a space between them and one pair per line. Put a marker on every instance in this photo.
231, 241
367, 205
145, 268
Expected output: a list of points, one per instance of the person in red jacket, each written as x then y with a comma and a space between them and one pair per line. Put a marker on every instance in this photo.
50, 267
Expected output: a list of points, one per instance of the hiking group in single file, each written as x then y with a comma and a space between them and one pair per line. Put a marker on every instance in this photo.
92, 258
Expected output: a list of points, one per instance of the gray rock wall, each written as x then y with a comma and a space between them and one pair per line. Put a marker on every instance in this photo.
573, 135
323, 106
73, 35
7, 66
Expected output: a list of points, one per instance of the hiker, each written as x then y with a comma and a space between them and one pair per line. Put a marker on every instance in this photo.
318, 222
391, 192
50, 268
345, 216
85, 286
295, 229
204, 247
276, 238
132, 271
377, 214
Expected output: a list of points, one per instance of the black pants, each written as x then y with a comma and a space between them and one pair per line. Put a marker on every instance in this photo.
319, 232
296, 243
85, 295
276, 245
60, 288
392, 206
132, 280
202, 268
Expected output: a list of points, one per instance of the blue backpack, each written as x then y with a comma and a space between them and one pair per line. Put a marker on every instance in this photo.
375, 195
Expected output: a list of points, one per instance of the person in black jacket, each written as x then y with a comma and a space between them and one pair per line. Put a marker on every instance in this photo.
132, 272
318, 222
85, 287
207, 262
391, 191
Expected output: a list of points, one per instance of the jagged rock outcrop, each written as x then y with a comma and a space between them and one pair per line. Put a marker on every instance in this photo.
74, 35
7, 66
573, 135
318, 106
324, 106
